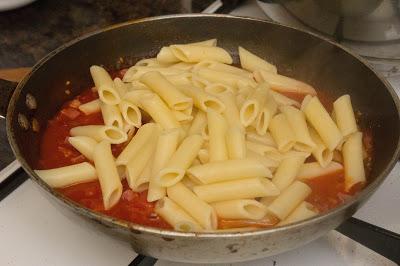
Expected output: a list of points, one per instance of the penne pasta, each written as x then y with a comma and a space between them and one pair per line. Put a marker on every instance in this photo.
267, 162
354, 172
240, 209
262, 139
104, 85
176, 216
166, 55
236, 142
321, 153
111, 115
231, 112
302, 212
214, 172
184, 66
217, 128
84, 145
282, 100
217, 88
297, 122
264, 150
138, 162
253, 105
197, 53
262, 121
183, 79
203, 100
182, 117
131, 113
121, 87
147, 133
68, 175
134, 96
344, 115
90, 107
174, 98
202, 212
106, 169
314, 169
229, 79
214, 65
283, 84
231, 190
166, 146
159, 111
289, 199
175, 168
203, 156
142, 181
148, 62
321, 121
198, 124
282, 133
251, 62
287, 171
136, 72
98, 132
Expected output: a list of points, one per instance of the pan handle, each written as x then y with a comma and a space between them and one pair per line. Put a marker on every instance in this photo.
380, 240
6, 90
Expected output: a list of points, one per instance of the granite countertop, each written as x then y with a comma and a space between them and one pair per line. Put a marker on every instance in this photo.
29, 33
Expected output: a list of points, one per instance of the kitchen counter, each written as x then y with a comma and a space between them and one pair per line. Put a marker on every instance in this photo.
29, 33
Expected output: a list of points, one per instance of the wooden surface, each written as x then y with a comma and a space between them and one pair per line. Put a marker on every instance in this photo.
14, 74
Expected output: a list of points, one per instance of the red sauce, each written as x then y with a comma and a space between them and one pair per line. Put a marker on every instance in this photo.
55, 151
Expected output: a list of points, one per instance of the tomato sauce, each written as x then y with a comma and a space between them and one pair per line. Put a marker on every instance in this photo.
55, 151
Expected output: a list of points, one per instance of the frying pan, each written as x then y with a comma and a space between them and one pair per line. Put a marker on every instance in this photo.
327, 66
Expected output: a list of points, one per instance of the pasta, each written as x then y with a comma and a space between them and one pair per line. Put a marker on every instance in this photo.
240, 209
344, 115
111, 115
147, 133
287, 171
197, 53
283, 84
90, 107
176, 216
159, 111
217, 128
302, 212
166, 146
68, 175
289, 199
227, 170
202, 212
104, 85
202, 144
354, 172
282, 133
98, 132
230, 190
175, 168
297, 122
251, 62
84, 145
111, 187
319, 118
175, 99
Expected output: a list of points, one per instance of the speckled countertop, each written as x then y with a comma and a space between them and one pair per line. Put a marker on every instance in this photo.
29, 33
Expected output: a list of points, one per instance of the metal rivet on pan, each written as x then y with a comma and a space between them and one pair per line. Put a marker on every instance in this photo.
30, 101
23, 121
35, 125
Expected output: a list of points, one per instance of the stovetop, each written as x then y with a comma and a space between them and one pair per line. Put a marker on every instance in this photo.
34, 232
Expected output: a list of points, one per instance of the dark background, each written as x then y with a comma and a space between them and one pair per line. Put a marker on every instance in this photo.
29, 33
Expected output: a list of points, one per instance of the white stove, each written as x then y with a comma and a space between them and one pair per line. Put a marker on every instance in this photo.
34, 232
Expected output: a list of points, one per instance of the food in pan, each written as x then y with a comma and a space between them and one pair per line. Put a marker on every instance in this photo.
188, 141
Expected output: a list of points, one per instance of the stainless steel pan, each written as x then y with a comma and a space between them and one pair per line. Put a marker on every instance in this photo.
327, 66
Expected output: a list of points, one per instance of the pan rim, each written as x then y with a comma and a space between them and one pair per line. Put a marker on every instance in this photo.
125, 225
